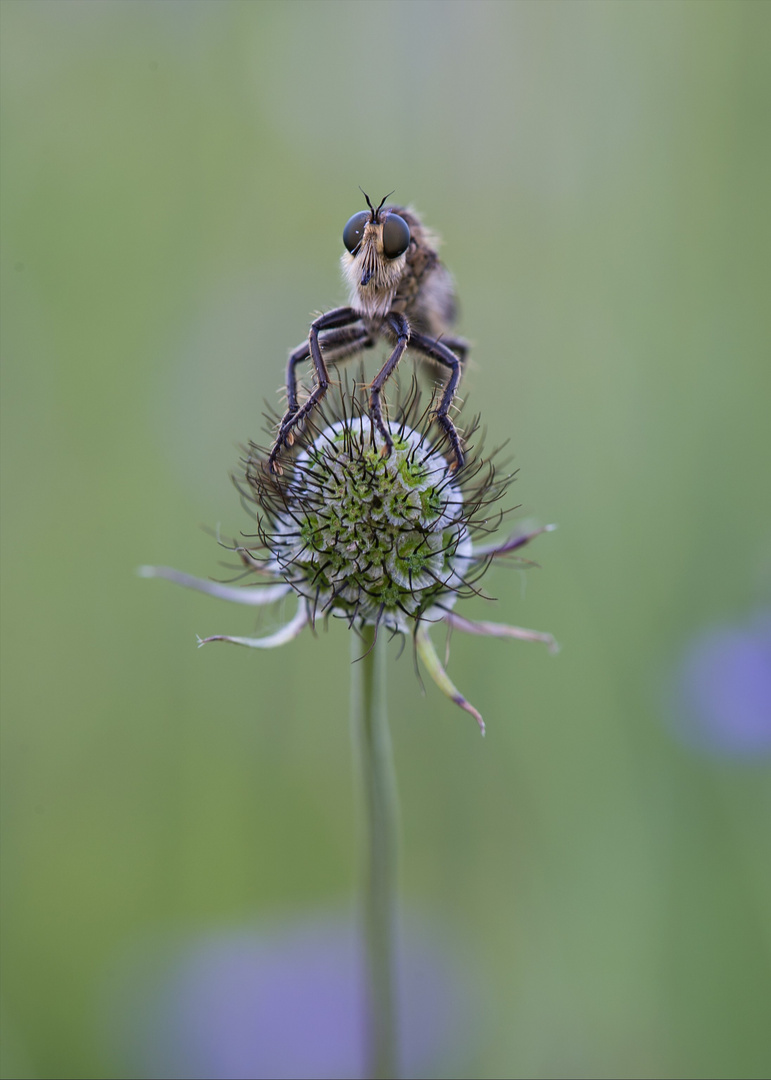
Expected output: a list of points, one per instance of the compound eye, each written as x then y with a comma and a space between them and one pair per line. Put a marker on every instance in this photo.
396, 236
354, 230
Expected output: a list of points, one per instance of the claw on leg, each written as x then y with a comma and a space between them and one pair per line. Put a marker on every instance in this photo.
387, 447
285, 437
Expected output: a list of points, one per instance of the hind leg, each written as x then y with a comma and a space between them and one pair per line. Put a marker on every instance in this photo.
442, 354
460, 347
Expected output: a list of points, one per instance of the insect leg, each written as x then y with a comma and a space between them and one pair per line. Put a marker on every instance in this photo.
401, 328
338, 319
296, 357
335, 344
460, 347
437, 350
338, 345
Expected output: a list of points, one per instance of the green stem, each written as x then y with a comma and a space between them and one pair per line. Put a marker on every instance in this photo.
372, 749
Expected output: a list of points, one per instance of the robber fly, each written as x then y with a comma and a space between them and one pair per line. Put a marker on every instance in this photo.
399, 290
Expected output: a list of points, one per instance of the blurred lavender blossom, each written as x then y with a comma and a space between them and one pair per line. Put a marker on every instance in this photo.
723, 690
287, 1003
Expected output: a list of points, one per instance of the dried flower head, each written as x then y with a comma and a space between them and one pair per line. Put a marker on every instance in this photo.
376, 538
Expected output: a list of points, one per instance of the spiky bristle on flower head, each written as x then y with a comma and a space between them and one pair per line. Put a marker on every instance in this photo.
375, 539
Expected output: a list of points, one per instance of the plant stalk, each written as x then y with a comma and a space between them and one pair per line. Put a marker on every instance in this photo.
377, 784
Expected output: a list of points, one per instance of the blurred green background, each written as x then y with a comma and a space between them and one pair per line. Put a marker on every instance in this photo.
175, 180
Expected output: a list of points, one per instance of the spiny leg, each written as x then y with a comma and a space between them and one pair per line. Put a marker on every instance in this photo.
339, 319
401, 328
437, 350
284, 437
459, 346
336, 345
340, 334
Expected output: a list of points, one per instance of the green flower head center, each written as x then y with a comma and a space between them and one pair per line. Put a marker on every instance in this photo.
372, 537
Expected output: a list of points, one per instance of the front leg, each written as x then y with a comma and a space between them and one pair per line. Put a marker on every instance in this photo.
437, 350
336, 345
342, 344
401, 328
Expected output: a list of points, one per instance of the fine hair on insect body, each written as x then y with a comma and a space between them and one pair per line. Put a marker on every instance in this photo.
399, 291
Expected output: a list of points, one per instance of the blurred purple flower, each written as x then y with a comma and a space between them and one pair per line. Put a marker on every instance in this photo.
286, 1004
724, 690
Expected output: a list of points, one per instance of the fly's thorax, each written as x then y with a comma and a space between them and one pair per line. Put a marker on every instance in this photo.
426, 294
